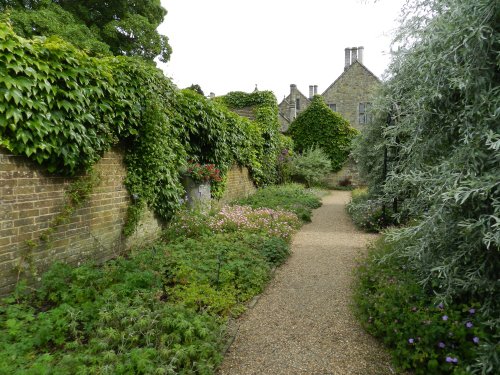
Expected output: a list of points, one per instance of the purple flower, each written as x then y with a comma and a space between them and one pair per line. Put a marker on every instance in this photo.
445, 317
442, 345
451, 360
475, 339
472, 311
411, 341
441, 306
469, 324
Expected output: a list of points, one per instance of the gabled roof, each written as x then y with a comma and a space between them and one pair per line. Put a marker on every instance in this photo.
287, 98
345, 71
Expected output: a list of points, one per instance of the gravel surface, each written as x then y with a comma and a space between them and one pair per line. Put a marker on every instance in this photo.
303, 323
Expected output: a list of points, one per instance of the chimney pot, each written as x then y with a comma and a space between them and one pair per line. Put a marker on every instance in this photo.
347, 58
360, 54
315, 89
354, 54
311, 91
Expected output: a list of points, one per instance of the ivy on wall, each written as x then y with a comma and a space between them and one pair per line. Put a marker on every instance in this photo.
319, 126
63, 109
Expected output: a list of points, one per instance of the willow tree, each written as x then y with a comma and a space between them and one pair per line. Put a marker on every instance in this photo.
440, 122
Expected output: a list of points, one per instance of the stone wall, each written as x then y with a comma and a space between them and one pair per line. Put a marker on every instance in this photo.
30, 200
356, 85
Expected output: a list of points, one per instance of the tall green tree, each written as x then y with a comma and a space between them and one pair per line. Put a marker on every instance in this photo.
123, 27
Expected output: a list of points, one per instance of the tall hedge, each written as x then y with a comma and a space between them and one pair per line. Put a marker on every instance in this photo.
319, 126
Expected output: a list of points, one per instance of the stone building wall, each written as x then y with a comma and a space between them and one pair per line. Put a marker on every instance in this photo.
30, 201
356, 85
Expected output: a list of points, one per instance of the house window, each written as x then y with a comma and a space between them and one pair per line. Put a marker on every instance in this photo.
365, 116
333, 106
297, 104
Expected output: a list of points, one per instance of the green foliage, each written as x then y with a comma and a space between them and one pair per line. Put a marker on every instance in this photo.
290, 197
319, 126
443, 146
311, 166
63, 109
110, 318
265, 110
214, 275
123, 27
425, 336
52, 20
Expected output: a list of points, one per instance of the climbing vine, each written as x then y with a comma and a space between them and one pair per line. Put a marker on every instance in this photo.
64, 109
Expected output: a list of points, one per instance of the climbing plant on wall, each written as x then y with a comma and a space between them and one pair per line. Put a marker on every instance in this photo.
63, 109
319, 126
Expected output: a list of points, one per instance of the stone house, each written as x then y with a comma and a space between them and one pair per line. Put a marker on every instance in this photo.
350, 94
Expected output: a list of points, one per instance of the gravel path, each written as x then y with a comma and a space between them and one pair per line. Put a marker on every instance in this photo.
303, 322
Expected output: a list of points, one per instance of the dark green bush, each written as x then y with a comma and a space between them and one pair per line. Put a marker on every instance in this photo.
424, 336
319, 126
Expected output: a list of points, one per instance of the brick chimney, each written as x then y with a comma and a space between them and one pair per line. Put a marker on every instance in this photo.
360, 54
315, 89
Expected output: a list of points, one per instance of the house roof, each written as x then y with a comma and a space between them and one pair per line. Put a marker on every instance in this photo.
286, 100
345, 71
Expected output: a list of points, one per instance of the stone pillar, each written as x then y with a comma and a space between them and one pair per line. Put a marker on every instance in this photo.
354, 54
360, 54
347, 58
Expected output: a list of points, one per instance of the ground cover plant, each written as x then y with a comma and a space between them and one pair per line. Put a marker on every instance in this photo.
161, 309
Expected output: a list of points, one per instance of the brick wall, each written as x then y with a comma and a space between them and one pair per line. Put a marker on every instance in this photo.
30, 200
239, 185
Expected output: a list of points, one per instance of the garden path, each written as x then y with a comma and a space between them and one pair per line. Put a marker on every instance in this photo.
303, 323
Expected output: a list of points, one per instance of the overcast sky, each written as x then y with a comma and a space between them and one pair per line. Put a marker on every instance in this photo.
231, 45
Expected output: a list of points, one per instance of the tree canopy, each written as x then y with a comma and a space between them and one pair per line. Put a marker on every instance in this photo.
120, 27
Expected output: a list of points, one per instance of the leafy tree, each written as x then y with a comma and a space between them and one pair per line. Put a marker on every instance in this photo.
128, 27
443, 139
319, 126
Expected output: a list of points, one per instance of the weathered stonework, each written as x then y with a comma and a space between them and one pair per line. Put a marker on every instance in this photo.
356, 85
30, 200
